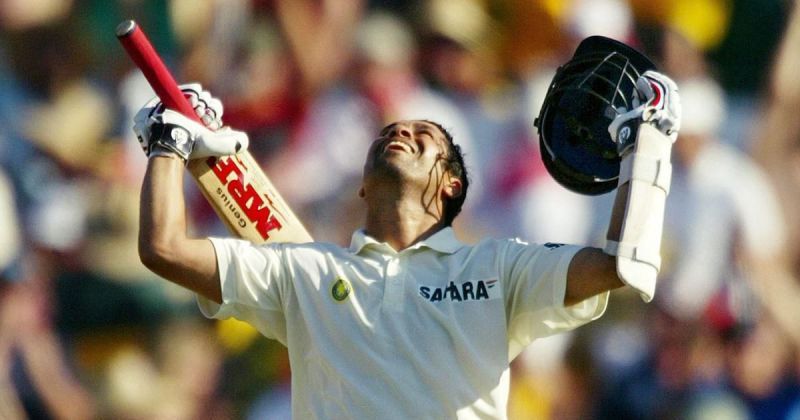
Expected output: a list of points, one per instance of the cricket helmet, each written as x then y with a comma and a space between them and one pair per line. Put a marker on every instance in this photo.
585, 95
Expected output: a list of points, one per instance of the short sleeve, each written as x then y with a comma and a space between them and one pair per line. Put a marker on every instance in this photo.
252, 284
536, 281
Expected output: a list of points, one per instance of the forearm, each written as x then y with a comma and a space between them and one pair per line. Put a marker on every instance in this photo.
10, 406
44, 359
778, 289
614, 231
162, 209
592, 271
314, 32
164, 246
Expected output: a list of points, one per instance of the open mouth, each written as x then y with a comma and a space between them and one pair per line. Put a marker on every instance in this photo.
398, 145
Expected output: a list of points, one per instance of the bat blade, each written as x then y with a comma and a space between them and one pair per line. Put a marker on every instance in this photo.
235, 186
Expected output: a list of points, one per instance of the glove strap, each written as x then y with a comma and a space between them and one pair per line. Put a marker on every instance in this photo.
172, 138
161, 151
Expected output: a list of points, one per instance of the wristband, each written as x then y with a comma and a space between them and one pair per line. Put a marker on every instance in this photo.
171, 137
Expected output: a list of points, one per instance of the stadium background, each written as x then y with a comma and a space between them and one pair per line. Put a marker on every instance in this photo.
87, 332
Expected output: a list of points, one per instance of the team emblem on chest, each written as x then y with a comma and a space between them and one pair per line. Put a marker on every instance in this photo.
341, 289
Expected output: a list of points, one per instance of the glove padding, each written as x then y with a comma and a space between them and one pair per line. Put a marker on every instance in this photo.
163, 131
656, 102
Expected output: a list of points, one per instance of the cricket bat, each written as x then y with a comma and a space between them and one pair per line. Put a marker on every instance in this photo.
235, 186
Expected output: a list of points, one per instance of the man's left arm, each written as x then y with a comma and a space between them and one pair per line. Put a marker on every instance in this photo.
592, 271
644, 136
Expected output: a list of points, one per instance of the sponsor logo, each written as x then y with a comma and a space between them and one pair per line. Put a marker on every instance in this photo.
239, 197
624, 134
469, 290
341, 289
552, 245
180, 136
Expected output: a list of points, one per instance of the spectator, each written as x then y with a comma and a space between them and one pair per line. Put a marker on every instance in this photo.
726, 215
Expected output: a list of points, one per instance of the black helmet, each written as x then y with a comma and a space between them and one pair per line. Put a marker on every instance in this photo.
584, 97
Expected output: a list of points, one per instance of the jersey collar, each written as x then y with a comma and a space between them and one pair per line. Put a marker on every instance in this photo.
443, 241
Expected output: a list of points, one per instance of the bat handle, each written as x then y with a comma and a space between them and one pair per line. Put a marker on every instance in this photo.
142, 53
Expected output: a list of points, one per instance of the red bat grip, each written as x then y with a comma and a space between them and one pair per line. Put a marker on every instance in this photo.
142, 53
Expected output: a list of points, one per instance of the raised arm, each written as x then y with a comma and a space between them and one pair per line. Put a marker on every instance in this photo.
592, 271
319, 34
164, 246
632, 255
169, 139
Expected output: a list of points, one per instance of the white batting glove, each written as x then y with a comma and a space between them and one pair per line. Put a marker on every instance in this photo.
656, 102
166, 132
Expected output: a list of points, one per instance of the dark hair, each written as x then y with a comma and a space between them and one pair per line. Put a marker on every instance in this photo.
454, 163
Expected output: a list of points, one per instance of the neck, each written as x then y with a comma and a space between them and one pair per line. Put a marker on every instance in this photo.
401, 222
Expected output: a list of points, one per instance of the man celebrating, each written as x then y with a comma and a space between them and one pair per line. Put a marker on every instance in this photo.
407, 322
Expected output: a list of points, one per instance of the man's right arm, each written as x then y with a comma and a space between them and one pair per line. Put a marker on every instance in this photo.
164, 246
169, 139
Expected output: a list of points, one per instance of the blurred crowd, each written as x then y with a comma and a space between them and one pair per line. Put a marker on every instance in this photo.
86, 332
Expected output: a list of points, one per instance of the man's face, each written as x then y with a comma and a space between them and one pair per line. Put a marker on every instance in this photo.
408, 148
410, 157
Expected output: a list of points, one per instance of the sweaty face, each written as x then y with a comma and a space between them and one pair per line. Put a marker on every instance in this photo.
410, 157
407, 147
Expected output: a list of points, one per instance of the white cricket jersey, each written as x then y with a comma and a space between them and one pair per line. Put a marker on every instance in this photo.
425, 333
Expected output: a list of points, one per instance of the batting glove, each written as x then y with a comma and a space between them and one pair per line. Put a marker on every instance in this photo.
655, 101
163, 131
